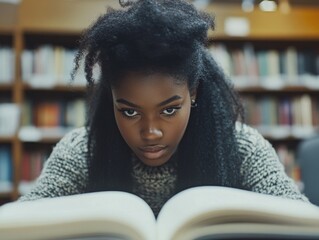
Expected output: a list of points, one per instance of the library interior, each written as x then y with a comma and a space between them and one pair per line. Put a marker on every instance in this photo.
268, 48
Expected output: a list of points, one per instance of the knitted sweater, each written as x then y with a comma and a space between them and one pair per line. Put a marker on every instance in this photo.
66, 171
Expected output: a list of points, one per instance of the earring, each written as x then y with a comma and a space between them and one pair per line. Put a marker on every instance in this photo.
193, 103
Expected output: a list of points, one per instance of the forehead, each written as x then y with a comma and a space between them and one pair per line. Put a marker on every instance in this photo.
156, 85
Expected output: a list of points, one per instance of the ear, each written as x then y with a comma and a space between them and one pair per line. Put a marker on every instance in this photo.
193, 94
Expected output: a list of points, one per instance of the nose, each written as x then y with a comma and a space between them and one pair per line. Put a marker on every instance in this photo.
151, 131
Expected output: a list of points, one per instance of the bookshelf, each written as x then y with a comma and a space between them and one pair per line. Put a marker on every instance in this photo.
7, 79
59, 25
279, 82
41, 36
273, 35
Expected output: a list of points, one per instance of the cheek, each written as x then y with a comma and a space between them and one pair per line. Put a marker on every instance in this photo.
178, 128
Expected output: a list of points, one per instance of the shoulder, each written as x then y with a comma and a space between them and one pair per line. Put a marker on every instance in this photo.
254, 149
71, 151
246, 133
74, 140
65, 172
248, 139
261, 168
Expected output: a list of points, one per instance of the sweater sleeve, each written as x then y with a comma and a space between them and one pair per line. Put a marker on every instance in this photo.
65, 172
261, 169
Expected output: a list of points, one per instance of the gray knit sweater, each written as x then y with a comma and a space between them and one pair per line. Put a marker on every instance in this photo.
66, 171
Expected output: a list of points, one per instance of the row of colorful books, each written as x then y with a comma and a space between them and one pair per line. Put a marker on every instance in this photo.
54, 113
47, 114
7, 64
277, 117
296, 116
48, 66
269, 68
50, 119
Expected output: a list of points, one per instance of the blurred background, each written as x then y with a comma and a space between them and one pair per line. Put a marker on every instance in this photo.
268, 48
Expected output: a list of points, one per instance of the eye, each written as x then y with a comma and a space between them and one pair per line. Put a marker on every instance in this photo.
171, 111
129, 112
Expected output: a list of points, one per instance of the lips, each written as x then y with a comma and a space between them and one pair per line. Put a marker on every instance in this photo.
153, 152
153, 148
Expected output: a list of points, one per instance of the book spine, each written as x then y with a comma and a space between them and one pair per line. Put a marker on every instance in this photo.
7, 64
31, 167
6, 179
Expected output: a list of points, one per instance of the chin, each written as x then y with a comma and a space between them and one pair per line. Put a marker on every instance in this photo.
154, 162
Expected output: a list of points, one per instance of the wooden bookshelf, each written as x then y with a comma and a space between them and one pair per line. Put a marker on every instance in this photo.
299, 24
60, 17
5, 140
6, 87
5, 195
6, 30
61, 22
272, 30
8, 18
46, 140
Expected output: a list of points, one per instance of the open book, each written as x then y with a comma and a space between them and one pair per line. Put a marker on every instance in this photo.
199, 213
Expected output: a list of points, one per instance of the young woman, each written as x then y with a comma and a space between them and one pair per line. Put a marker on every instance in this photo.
162, 115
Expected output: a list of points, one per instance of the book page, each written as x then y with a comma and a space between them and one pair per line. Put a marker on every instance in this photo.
117, 214
251, 231
204, 206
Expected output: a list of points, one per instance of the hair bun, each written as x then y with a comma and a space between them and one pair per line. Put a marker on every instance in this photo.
161, 27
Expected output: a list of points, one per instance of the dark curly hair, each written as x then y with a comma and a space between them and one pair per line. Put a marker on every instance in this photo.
159, 36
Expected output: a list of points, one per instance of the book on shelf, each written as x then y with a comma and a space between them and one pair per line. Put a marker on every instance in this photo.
31, 167
9, 119
6, 184
197, 213
7, 62
32, 164
287, 156
48, 114
75, 113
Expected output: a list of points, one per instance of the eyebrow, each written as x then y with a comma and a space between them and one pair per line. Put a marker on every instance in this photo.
167, 101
